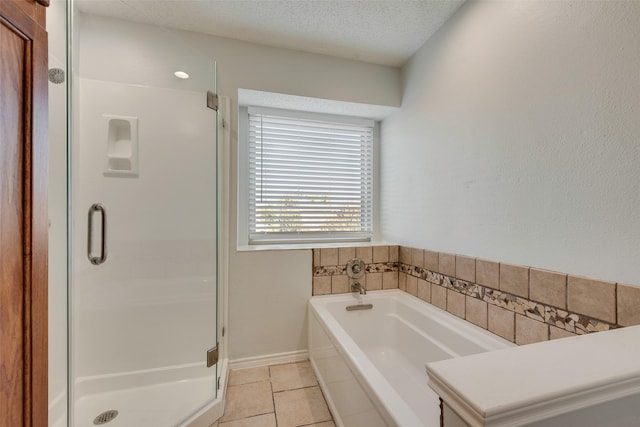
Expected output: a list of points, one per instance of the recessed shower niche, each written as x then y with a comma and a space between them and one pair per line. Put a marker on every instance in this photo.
122, 146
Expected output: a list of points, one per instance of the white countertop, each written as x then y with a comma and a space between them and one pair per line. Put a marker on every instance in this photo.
520, 385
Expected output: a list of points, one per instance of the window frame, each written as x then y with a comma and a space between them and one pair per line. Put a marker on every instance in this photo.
243, 202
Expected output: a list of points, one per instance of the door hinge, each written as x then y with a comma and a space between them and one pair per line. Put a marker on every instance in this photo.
212, 356
212, 100
223, 329
218, 383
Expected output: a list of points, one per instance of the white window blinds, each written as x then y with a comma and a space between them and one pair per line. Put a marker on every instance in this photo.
310, 177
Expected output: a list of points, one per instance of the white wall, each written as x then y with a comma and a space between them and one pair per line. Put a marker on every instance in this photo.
268, 290
57, 218
519, 138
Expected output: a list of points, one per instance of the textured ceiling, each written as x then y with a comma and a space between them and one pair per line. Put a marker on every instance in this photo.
377, 31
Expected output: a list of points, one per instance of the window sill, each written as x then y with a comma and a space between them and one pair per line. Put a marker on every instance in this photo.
299, 246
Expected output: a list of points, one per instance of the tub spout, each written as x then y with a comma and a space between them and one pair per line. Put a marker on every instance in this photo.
357, 287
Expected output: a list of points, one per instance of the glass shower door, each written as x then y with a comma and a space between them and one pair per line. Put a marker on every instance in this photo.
143, 182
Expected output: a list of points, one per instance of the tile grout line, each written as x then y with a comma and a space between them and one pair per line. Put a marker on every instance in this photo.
299, 388
274, 412
245, 418
273, 396
325, 402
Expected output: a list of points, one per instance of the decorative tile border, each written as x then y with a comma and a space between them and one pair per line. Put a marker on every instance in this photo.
571, 322
379, 267
329, 270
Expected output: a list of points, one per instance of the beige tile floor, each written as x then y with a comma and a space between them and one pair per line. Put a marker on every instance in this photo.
275, 396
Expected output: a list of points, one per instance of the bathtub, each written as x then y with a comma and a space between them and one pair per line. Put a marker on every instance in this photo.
371, 363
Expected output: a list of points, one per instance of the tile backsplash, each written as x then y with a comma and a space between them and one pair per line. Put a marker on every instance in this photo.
519, 303
330, 275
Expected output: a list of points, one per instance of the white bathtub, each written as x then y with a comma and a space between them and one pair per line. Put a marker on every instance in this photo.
370, 363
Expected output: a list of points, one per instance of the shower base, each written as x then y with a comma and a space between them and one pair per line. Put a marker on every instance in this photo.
141, 404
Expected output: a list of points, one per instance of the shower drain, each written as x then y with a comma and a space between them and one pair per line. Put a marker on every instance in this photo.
105, 417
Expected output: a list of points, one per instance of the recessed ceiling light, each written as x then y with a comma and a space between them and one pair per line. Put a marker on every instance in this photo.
181, 75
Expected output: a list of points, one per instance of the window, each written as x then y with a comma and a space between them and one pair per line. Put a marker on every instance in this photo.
310, 177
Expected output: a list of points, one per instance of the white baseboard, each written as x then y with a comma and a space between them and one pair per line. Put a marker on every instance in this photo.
269, 359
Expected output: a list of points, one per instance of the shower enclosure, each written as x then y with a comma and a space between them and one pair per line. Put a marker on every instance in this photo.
139, 196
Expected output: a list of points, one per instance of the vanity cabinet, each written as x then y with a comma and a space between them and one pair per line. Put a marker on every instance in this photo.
529, 385
23, 213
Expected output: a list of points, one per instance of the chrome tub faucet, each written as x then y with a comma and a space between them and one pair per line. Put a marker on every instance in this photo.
357, 287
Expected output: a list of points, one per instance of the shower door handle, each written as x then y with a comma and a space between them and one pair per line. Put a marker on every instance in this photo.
97, 260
